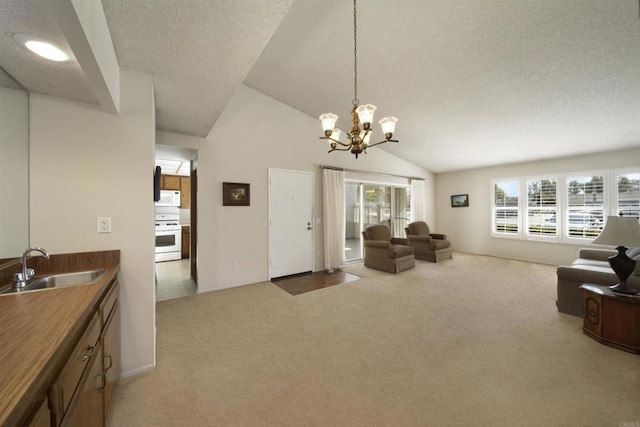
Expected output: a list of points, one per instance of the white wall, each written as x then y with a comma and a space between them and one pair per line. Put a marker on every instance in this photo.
86, 163
14, 174
178, 140
254, 133
469, 228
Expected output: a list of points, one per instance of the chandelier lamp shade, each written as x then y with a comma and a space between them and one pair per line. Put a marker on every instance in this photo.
361, 116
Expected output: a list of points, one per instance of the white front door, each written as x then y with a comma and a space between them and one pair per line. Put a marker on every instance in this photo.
290, 222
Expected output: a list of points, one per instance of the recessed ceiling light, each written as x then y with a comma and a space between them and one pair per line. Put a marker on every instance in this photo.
41, 47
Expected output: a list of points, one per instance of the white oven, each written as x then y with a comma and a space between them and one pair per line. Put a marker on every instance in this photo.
168, 234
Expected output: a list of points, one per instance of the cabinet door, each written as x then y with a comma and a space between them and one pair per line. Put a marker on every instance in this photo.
65, 389
89, 410
170, 182
111, 345
185, 192
42, 418
185, 242
591, 306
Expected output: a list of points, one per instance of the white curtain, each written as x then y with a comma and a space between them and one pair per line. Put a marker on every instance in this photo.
333, 216
418, 202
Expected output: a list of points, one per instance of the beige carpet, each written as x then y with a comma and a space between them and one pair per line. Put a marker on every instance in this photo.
472, 341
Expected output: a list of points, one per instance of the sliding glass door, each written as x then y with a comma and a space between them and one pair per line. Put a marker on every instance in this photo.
368, 204
401, 210
353, 220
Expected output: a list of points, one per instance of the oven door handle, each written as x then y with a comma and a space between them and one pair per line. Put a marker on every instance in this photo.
166, 232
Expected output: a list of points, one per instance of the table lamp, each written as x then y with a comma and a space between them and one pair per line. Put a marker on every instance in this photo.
621, 232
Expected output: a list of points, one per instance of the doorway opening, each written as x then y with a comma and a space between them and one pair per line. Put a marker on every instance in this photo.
370, 203
175, 225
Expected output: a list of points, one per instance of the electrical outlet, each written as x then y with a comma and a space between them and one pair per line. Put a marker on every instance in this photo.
235, 265
104, 224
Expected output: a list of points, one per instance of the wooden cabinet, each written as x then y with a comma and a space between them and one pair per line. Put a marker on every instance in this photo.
111, 346
89, 406
185, 192
611, 318
63, 392
42, 418
185, 241
170, 182
181, 183
81, 395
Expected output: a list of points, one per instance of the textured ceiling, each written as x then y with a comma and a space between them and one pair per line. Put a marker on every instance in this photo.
198, 51
7, 81
473, 83
33, 17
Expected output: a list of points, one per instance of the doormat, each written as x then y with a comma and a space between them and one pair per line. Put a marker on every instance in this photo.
307, 282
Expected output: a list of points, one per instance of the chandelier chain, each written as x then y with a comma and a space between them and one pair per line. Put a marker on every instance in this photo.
361, 116
355, 57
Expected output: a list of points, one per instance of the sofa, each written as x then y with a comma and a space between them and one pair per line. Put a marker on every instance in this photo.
591, 266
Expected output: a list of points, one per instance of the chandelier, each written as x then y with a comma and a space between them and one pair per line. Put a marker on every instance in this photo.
361, 116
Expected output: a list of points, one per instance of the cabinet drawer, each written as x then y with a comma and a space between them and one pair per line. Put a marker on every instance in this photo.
107, 304
64, 388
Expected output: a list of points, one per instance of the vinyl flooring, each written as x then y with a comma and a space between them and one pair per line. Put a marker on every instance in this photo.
173, 280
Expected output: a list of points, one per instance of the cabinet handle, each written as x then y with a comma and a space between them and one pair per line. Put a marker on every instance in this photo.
103, 383
110, 362
88, 353
592, 312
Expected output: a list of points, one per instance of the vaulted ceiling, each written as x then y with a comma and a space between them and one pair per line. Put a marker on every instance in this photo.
473, 83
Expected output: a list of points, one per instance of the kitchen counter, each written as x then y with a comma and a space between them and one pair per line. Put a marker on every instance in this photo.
39, 329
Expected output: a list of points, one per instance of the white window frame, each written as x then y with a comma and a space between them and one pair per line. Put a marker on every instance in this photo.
494, 208
525, 214
606, 197
615, 202
609, 203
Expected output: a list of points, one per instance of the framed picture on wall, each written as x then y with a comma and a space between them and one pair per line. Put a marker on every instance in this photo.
460, 201
235, 194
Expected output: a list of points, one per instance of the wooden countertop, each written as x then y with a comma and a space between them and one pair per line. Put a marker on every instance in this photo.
37, 331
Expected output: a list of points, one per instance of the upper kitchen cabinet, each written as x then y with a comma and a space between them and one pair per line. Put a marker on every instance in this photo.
185, 192
170, 182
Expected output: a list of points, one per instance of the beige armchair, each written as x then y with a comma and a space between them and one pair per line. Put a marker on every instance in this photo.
428, 246
385, 253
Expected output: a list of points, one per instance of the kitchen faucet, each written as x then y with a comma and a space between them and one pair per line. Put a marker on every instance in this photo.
20, 279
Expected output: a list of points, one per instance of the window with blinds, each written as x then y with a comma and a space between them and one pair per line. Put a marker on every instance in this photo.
565, 208
584, 216
542, 207
628, 195
506, 208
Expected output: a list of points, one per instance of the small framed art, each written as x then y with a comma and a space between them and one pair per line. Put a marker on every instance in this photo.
235, 194
460, 201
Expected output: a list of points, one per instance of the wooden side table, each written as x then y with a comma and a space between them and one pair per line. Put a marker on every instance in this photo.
611, 318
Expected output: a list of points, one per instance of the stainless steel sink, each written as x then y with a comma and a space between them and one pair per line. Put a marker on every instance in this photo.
59, 281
